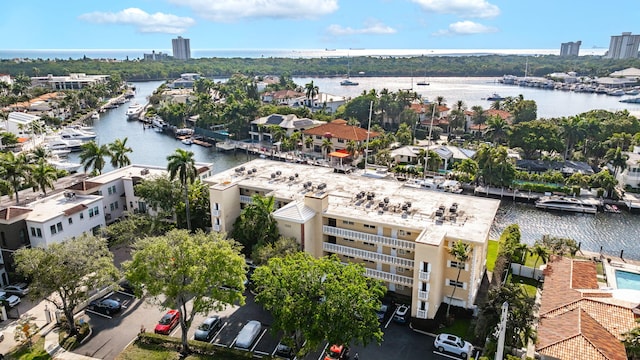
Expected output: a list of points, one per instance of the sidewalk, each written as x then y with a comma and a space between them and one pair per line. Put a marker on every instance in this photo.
48, 330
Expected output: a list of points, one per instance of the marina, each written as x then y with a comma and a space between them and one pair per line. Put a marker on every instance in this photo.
613, 231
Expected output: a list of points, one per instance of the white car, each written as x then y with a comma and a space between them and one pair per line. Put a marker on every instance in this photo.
20, 289
453, 344
248, 334
12, 300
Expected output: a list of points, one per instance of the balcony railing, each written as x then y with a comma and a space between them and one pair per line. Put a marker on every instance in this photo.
244, 199
367, 255
362, 236
389, 277
216, 227
423, 295
215, 213
421, 314
424, 275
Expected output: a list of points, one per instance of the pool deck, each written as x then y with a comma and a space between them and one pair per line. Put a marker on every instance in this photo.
611, 263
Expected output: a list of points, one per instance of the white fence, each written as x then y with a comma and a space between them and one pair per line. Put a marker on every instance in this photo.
526, 271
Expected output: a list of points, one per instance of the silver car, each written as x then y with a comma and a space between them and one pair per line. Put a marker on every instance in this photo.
248, 334
453, 344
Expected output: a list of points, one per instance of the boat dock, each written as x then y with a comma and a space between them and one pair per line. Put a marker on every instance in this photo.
502, 193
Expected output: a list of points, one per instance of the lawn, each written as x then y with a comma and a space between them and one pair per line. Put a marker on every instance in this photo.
527, 284
36, 352
492, 253
153, 348
460, 327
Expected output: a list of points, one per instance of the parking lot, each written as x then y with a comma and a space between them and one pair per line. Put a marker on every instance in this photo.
111, 334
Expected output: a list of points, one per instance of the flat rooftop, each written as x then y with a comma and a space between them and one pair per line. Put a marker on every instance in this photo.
363, 198
59, 205
143, 171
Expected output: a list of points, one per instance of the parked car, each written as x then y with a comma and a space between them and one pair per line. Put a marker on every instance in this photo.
105, 306
401, 315
284, 351
382, 312
248, 334
168, 322
207, 330
453, 344
126, 287
20, 289
337, 352
11, 300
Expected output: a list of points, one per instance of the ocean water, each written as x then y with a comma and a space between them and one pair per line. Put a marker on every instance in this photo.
123, 54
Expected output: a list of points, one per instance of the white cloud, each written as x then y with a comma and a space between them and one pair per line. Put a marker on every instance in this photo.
371, 27
143, 21
231, 10
465, 28
462, 8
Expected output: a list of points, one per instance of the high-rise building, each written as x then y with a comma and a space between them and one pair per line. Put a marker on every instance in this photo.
181, 48
570, 48
623, 46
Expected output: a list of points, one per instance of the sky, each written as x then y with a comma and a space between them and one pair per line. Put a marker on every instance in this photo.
314, 24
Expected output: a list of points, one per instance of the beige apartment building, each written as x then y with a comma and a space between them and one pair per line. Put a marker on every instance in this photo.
399, 233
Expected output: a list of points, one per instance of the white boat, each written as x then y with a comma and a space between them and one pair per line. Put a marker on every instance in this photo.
95, 115
495, 97
158, 123
58, 143
347, 82
61, 164
77, 134
134, 111
565, 203
616, 92
187, 141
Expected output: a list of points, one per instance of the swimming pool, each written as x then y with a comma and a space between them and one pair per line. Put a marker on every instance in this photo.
627, 280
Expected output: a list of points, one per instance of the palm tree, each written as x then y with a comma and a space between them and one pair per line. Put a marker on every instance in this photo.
308, 141
352, 147
326, 146
43, 176
182, 164
14, 169
311, 91
38, 154
497, 128
461, 252
93, 155
541, 252
618, 159
119, 151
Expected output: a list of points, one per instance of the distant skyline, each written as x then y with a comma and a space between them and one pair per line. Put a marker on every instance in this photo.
320, 24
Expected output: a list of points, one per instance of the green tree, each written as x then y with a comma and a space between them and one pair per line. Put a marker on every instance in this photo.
160, 193
311, 90
403, 135
317, 300
92, 155
281, 247
326, 146
68, 269
25, 330
14, 169
119, 150
179, 267
256, 225
617, 159
461, 252
181, 164
632, 341
43, 176
467, 170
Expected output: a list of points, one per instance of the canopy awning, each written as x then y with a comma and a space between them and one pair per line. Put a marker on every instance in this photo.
339, 154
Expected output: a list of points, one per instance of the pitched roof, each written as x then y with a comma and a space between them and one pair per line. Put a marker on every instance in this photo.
339, 129
505, 115
295, 211
74, 209
12, 212
83, 185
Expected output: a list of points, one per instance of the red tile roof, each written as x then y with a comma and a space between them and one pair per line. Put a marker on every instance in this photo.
74, 209
505, 115
339, 129
83, 185
12, 212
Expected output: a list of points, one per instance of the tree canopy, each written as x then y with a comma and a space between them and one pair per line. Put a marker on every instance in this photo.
205, 270
63, 273
315, 300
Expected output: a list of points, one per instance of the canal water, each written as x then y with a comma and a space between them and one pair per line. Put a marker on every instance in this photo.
614, 232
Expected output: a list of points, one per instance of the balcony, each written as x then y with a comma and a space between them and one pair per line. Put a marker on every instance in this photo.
215, 213
371, 238
389, 277
216, 227
423, 295
244, 199
424, 275
421, 314
367, 255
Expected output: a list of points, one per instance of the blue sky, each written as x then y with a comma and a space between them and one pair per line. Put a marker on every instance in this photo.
315, 24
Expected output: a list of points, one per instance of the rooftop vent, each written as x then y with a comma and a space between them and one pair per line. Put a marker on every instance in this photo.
278, 172
144, 171
273, 175
291, 178
254, 170
370, 196
296, 175
386, 200
322, 186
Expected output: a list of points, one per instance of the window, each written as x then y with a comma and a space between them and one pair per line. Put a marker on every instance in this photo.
318, 137
90, 213
70, 221
403, 252
59, 226
39, 232
109, 190
347, 222
399, 287
341, 140
457, 265
96, 210
33, 231
367, 226
115, 204
400, 270
459, 284
53, 229
111, 206
368, 243
81, 216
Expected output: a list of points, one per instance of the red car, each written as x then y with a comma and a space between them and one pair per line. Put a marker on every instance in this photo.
168, 322
337, 352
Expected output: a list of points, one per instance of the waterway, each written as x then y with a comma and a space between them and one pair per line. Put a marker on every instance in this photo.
614, 232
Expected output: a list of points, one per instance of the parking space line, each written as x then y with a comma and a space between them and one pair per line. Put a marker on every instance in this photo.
99, 314
218, 333
175, 330
258, 339
323, 351
447, 355
388, 322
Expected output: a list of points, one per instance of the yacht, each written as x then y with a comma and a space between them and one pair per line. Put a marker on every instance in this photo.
134, 110
61, 164
58, 143
564, 203
347, 82
495, 97
77, 134
158, 123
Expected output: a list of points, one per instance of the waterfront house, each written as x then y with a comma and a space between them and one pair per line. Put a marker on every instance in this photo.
284, 97
630, 175
339, 134
578, 319
400, 234
289, 123
74, 81
20, 123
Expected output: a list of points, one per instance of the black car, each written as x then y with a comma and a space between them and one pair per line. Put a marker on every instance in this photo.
105, 306
284, 351
207, 330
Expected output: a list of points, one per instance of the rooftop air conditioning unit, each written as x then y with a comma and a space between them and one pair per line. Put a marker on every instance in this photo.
273, 176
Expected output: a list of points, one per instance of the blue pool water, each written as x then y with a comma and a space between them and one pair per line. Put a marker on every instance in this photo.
627, 280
